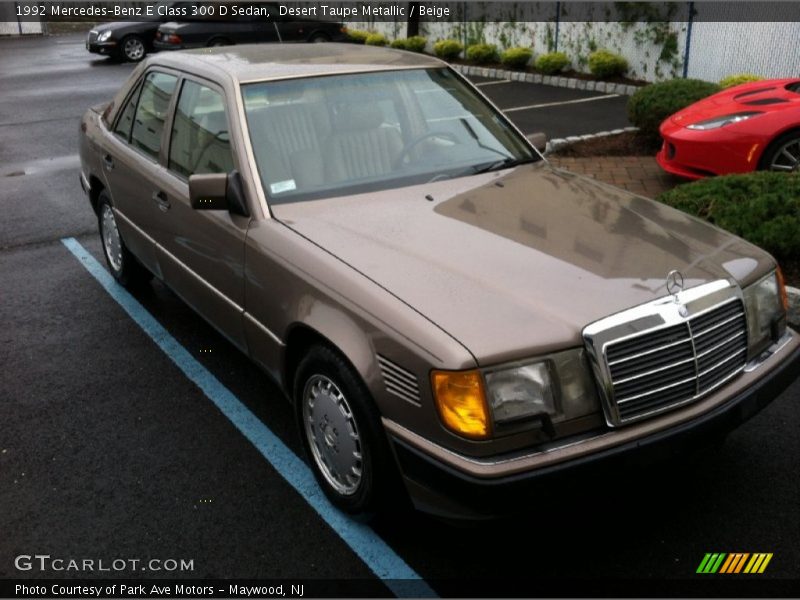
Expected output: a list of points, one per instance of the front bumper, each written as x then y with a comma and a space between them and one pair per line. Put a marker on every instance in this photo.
105, 48
441, 489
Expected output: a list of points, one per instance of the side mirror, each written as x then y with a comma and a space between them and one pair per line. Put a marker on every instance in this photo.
218, 191
539, 141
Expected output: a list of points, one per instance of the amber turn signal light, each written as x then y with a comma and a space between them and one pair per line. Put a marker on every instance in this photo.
782, 290
461, 401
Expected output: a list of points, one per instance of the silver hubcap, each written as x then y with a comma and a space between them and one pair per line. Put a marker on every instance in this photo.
134, 49
787, 158
332, 434
111, 240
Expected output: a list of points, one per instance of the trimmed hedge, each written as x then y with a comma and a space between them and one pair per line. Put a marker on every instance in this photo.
604, 63
761, 207
448, 49
552, 63
376, 39
415, 43
738, 79
650, 105
517, 57
357, 36
482, 53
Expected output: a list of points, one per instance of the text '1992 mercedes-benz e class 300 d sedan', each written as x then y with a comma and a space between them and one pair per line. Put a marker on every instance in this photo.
443, 308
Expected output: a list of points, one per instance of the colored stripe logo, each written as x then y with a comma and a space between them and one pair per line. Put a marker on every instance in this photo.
735, 562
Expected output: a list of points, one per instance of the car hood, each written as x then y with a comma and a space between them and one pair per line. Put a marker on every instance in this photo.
516, 263
763, 96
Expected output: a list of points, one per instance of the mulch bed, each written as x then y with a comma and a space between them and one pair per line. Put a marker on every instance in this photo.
624, 144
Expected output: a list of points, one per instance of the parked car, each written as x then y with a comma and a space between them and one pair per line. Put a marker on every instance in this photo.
133, 40
744, 128
435, 299
251, 27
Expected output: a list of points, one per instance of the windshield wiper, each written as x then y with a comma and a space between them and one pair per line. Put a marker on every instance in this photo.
504, 163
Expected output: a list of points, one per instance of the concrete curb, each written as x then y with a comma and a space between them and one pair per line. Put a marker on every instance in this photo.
794, 306
558, 143
555, 80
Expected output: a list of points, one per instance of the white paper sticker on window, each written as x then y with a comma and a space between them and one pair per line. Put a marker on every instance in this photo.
287, 185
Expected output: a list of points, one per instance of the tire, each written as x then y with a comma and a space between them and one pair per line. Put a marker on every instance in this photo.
123, 265
219, 42
319, 38
132, 48
774, 158
355, 471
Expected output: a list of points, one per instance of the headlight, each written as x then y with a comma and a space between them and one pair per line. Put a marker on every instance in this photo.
104, 36
520, 392
766, 309
718, 122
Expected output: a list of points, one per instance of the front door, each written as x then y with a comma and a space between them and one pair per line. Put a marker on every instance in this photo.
201, 252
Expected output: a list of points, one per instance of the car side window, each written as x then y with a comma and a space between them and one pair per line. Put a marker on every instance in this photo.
151, 112
125, 121
200, 141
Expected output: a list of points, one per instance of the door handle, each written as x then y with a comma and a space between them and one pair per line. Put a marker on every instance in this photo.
108, 161
160, 198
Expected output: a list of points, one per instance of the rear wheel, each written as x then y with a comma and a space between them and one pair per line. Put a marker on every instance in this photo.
341, 433
783, 155
123, 265
132, 48
319, 38
220, 42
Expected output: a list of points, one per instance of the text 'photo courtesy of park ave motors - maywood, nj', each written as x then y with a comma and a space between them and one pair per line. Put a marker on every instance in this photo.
399, 299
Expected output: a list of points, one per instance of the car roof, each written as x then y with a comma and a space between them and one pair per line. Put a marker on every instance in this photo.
260, 62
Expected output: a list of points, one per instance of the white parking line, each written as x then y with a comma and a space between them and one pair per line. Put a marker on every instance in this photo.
578, 101
485, 83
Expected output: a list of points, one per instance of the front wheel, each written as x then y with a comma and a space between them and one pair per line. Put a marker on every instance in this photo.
341, 433
123, 265
132, 48
783, 155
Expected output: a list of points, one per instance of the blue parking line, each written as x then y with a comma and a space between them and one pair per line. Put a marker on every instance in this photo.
401, 579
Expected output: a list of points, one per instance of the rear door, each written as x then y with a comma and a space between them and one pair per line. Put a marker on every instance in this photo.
201, 253
131, 159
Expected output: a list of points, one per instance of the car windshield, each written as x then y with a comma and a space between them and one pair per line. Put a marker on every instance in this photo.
344, 134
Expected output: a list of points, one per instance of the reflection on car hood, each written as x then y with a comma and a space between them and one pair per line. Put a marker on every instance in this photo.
516, 263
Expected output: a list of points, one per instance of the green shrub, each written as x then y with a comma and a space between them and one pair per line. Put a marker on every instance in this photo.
603, 63
416, 43
516, 58
376, 39
399, 44
357, 36
482, 53
552, 63
762, 207
650, 105
448, 49
738, 79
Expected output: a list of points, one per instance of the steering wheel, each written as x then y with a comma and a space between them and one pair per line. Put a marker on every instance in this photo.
421, 138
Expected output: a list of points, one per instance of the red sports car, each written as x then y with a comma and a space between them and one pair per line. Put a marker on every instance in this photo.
744, 128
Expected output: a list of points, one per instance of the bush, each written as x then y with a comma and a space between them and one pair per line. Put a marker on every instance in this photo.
416, 43
376, 39
448, 49
738, 79
482, 53
516, 58
552, 63
357, 36
603, 63
650, 105
762, 207
399, 44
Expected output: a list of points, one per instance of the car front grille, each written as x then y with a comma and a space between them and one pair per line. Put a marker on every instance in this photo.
659, 369
668, 352
92, 37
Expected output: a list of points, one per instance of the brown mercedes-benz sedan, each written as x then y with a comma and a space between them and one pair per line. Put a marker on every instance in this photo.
443, 308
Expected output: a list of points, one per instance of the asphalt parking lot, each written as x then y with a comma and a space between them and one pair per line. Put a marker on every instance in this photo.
108, 449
